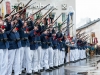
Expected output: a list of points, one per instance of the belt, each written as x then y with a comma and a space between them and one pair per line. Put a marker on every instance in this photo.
1, 40
45, 42
16, 40
24, 39
49, 43
33, 42
38, 41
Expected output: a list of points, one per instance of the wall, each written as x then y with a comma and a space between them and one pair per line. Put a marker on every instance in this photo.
93, 28
55, 3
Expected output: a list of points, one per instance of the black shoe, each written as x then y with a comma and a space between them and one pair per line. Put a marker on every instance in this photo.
62, 64
28, 74
48, 70
59, 65
56, 67
12, 71
23, 71
36, 73
52, 68
41, 70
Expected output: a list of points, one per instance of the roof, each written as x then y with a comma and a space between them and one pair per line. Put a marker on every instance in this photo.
88, 24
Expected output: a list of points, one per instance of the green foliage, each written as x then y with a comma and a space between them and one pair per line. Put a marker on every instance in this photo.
16, 7
59, 26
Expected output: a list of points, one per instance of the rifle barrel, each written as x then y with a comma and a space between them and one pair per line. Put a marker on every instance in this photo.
50, 12
37, 11
56, 19
14, 9
1, 1
43, 16
27, 3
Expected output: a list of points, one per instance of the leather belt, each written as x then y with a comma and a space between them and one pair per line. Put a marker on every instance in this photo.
45, 42
16, 40
24, 39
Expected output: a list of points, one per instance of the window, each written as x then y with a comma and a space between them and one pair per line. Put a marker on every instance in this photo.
63, 17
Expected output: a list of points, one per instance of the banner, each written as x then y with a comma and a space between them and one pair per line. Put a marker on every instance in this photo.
8, 9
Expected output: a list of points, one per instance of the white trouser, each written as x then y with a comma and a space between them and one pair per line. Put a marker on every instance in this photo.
81, 54
72, 55
76, 54
78, 57
24, 62
55, 57
1, 59
63, 56
39, 57
27, 63
59, 57
17, 62
68, 57
5, 62
34, 60
21, 57
84, 52
44, 59
50, 57
13, 61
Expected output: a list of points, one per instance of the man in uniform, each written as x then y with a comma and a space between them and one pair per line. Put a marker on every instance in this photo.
59, 40
55, 49
14, 50
25, 49
44, 41
4, 45
50, 49
33, 47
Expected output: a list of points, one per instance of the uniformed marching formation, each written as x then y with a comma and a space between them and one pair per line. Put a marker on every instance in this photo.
35, 46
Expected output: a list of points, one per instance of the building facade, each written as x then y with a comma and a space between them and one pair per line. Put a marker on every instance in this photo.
61, 5
92, 29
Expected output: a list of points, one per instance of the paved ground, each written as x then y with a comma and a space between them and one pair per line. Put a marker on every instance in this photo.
82, 67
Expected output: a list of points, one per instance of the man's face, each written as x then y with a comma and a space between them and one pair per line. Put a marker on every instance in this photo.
17, 15
31, 17
25, 24
35, 28
46, 32
15, 21
54, 34
1, 22
39, 21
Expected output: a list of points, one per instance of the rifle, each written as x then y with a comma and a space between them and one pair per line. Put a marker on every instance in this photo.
84, 36
26, 6
69, 27
56, 19
1, 1
37, 11
81, 34
61, 24
66, 26
78, 32
14, 9
64, 22
33, 14
87, 38
46, 13
50, 12
43, 16
17, 12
